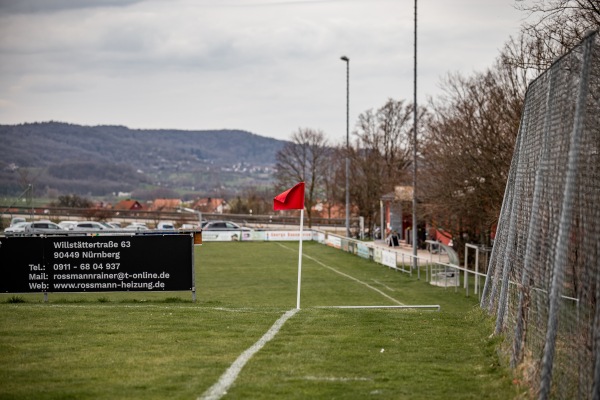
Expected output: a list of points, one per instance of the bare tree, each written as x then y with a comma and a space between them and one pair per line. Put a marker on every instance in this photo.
470, 138
304, 159
381, 157
468, 150
255, 200
388, 133
334, 176
552, 28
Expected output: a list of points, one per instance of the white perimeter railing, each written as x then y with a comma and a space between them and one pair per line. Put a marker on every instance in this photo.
438, 271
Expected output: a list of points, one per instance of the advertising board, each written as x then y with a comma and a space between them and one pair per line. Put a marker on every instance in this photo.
388, 258
334, 241
288, 235
96, 263
363, 251
226, 236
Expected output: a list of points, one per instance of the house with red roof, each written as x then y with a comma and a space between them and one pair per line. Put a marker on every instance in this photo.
128, 205
166, 204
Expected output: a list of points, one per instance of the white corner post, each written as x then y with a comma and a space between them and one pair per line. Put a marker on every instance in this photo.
300, 258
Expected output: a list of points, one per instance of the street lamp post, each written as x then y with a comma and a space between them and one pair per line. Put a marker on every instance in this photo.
347, 60
415, 236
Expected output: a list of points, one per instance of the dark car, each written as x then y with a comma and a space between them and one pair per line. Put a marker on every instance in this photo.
223, 226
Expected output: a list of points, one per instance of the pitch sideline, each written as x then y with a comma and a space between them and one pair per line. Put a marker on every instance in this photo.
220, 388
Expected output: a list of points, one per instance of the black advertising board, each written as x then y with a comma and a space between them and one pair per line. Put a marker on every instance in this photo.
96, 263
19, 257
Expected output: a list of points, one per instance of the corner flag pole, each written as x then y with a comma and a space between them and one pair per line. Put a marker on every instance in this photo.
300, 258
293, 199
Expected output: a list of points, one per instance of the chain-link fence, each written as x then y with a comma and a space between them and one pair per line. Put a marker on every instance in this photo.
543, 282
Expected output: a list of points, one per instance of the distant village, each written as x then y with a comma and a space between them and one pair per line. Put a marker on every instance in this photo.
208, 205
205, 205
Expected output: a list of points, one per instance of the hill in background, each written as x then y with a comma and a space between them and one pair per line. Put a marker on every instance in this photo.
61, 158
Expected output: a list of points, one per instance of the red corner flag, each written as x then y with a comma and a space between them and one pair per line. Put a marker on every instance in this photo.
291, 199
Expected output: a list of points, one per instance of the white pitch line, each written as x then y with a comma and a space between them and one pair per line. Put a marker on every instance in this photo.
432, 306
335, 378
350, 277
384, 285
220, 388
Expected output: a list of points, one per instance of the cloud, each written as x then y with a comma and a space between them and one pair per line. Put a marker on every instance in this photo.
261, 65
52, 6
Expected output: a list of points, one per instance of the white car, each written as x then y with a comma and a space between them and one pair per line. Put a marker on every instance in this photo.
109, 226
165, 226
16, 220
16, 228
67, 225
136, 226
89, 226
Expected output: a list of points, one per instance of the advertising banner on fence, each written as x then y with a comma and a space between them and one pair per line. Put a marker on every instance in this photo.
363, 250
288, 235
377, 255
320, 237
344, 243
226, 236
388, 258
334, 241
96, 263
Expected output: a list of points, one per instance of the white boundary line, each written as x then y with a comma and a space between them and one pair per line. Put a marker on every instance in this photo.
349, 277
433, 306
220, 388
384, 285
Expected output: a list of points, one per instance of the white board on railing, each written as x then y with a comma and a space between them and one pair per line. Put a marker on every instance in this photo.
388, 258
225, 236
334, 241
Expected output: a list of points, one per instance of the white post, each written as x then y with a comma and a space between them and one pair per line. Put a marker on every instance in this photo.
300, 259
477, 270
466, 263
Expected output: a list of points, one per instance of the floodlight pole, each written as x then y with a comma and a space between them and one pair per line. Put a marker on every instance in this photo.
347, 60
414, 199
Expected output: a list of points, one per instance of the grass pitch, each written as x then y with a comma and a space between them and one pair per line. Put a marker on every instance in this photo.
143, 345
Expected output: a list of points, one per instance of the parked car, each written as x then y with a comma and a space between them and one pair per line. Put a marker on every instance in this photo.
189, 226
16, 228
165, 226
89, 226
110, 226
224, 226
41, 227
16, 220
67, 225
136, 226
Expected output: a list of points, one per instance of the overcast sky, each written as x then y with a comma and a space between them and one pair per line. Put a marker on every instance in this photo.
265, 66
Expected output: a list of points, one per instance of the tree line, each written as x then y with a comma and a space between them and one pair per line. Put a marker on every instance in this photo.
465, 136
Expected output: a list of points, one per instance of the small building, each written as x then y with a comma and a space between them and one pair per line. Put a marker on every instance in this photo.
166, 204
211, 205
129, 205
396, 211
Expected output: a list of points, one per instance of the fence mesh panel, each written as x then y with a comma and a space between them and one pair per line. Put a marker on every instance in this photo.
543, 282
